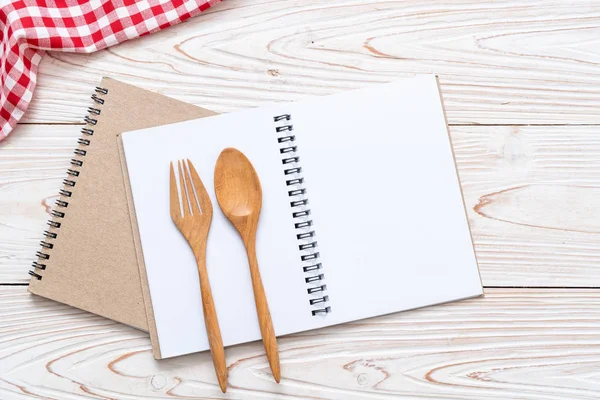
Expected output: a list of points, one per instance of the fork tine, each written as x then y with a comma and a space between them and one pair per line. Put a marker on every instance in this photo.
203, 198
184, 195
174, 196
190, 190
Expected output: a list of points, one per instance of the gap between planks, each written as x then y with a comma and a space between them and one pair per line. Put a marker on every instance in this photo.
485, 287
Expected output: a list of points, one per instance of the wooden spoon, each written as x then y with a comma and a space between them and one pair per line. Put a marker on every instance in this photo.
240, 197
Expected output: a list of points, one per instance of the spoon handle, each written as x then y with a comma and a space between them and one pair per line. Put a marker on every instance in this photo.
210, 320
264, 316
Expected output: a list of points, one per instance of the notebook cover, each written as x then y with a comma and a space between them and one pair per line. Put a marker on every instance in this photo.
92, 262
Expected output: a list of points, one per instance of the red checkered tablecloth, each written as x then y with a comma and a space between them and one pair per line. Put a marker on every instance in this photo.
29, 28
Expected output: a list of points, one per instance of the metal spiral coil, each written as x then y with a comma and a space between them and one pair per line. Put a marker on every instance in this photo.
301, 214
50, 235
70, 182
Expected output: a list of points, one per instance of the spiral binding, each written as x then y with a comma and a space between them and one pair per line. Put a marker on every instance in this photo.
69, 182
306, 235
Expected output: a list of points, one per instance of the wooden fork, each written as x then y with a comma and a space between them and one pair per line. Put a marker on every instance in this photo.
194, 225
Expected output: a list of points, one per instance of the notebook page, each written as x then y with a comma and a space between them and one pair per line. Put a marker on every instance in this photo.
170, 264
391, 225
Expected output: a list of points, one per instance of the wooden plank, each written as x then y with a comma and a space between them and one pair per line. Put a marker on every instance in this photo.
532, 196
501, 62
511, 344
531, 192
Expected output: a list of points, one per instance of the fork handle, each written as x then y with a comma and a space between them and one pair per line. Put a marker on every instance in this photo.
264, 316
212, 325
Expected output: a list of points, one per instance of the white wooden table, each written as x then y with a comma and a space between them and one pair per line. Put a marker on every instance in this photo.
521, 83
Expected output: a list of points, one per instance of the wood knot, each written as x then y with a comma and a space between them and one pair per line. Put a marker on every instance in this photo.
362, 379
158, 382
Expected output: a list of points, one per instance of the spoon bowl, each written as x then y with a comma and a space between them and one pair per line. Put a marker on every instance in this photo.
237, 186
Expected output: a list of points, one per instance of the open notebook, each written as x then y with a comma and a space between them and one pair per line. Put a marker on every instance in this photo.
385, 205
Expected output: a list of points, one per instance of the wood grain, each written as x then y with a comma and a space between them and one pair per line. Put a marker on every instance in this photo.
239, 193
191, 211
531, 194
501, 62
512, 344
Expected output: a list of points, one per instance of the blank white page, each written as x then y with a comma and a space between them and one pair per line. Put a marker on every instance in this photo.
385, 196
385, 202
